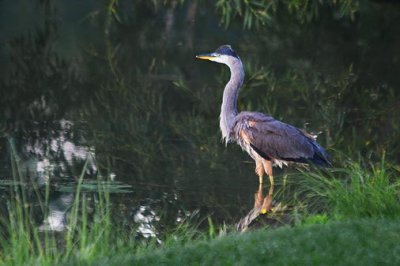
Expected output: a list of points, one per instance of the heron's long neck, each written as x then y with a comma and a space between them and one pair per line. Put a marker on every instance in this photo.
229, 100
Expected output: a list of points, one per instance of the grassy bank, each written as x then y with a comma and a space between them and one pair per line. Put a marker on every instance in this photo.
352, 242
357, 242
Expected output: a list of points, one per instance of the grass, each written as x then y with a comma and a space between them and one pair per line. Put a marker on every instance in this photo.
23, 242
356, 242
373, 193
358, 190
351, 242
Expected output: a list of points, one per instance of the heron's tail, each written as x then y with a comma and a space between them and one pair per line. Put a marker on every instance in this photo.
321, 157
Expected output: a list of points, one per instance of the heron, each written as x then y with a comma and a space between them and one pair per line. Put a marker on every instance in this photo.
268, 141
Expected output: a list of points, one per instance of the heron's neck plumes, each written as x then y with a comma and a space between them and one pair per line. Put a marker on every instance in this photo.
229, 100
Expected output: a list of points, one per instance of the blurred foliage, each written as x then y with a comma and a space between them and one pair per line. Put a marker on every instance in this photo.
260, 13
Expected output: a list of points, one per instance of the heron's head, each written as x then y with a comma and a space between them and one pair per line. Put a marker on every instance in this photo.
224, 54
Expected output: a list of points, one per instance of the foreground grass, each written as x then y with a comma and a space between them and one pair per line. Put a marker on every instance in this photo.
356, 242
352, 242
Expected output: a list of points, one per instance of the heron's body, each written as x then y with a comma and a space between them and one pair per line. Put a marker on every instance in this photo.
266, 140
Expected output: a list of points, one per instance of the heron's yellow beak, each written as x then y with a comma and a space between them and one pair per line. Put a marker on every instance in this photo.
206, 56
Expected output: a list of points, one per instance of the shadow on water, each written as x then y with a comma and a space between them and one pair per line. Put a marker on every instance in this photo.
119, 94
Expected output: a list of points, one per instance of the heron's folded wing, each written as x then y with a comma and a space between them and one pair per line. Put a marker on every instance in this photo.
273, 139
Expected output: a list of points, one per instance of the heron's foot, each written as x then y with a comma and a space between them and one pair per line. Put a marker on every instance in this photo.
260, 179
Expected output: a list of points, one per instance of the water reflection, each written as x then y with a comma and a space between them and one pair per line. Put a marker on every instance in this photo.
145, 218
54, 161
268, 211
58, 207
54, 153
262, 205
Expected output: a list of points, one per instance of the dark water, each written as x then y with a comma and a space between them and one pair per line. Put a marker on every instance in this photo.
122, 93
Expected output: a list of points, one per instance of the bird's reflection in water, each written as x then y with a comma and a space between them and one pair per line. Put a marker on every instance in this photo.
262, 205
57, 211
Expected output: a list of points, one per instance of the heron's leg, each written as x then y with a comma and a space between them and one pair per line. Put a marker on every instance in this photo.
268, 169
271, 181
260, 171
267, 203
